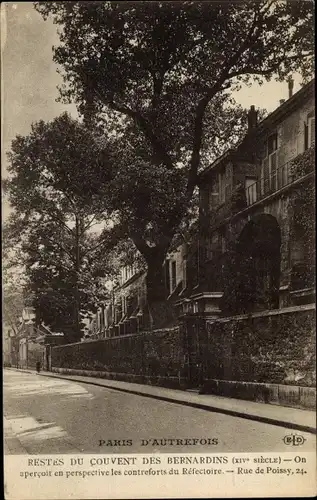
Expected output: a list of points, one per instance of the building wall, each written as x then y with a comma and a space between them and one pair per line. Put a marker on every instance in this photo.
291, 133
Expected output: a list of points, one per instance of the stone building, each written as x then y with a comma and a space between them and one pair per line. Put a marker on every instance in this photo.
126, 311
31, 343
256, 250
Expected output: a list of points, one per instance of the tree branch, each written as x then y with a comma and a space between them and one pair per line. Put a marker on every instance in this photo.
202, 105
114, 237
61, 247
137, 117
60, 221
89, 225
158, 148
250, 70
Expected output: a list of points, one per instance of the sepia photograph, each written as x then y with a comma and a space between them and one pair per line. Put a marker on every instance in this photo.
158, 247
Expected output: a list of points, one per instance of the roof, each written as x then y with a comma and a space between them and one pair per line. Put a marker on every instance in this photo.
285, 108
224, 157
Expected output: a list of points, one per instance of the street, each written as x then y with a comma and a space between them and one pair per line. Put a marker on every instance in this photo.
47, 415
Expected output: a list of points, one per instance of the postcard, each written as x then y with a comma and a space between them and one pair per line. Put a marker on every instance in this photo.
158, 249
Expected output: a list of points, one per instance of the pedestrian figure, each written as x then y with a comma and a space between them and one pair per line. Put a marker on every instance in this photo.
38, 366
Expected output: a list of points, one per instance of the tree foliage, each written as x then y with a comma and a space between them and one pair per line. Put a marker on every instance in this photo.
53, 221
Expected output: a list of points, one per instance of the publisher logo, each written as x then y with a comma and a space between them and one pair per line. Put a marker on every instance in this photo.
294, 439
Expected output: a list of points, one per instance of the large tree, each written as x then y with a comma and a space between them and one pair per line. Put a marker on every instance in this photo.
53, 220
161, 74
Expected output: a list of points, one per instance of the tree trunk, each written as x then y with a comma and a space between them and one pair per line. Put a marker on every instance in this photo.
159, 309
155, 279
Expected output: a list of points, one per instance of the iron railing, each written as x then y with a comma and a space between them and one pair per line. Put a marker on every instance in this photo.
279, 178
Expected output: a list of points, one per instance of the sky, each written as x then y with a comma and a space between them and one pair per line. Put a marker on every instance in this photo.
29, 77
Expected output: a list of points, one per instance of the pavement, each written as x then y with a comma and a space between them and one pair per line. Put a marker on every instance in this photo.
12, 444
47, 414
280, 416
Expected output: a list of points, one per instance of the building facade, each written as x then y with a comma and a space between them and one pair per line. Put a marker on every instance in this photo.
256, 244
31, 343
126, 311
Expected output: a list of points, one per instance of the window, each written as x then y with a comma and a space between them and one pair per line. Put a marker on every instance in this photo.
215, 246
124, 306
250, 187
214, 241
184, 273
225, 184
272, 144
167, 276
223, 243
118, 311
269, 165
214, 193
122, 275
173, 275
311, 131
132, 303
222, 187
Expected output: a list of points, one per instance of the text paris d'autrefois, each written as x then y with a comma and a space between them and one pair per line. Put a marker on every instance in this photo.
161, 442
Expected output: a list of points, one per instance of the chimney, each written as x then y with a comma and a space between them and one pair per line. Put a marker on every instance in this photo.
252, 118
282, 101
290, 87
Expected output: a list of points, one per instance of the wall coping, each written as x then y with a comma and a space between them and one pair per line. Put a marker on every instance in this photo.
209, 321
263, 314
127, 335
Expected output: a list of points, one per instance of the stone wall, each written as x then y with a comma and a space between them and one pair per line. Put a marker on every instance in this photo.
269, 347
153, 357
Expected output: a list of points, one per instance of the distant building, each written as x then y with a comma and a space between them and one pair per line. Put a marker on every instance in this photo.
32, 342
126, 311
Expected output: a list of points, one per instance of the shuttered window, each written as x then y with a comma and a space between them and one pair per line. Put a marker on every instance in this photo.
173, 275
270, 165
265, 176
311, 131
250, 187
214, 193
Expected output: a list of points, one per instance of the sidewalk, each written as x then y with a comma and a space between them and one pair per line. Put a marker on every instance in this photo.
12, 444
281, 416
290, 418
